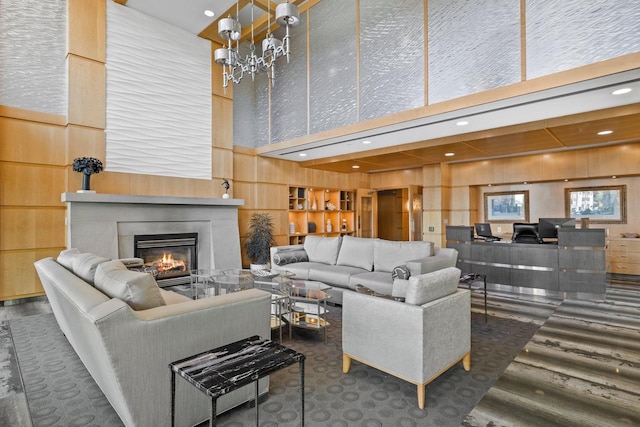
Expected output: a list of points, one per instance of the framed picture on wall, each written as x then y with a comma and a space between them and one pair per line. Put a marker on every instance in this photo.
507, 206
602, 205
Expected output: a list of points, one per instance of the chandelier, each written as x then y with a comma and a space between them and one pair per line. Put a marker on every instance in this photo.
234, 67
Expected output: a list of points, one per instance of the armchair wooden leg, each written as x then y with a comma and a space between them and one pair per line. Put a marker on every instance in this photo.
346, 363
466, 362
421, 391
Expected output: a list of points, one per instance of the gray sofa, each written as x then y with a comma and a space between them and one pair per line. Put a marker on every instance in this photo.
127, 351
344, 262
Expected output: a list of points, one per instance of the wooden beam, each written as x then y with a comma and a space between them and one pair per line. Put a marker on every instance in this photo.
122, 2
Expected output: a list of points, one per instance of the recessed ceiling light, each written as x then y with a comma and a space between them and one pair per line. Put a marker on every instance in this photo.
209, 13
605, 132
614, 177
355, 167
462, 123
566, 180
621, 91
366, 141
302, 154
449, 154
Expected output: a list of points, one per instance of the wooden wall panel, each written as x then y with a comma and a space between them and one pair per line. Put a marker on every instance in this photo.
565, 165
520, 169
31, 185
87, 92
17, 274
31, 142
615, 160
153, 185
397, 179
272, 196
87, 25
244, 166
245, 191
85, 142
30, 228
222, 110
222, 163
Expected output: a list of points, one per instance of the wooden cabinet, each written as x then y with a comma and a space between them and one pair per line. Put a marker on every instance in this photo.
320, 211
623, 256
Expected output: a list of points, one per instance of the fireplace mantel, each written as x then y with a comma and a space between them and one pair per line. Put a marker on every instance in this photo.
155, 200
105, 224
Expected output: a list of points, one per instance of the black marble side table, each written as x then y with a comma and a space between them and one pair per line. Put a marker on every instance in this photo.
221, 370
470, 278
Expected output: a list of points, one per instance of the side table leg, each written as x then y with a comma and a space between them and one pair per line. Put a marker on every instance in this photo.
212, 420
302, 393
257, 411
173, 398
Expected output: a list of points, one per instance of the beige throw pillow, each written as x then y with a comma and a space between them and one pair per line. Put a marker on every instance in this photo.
137, 289
85, 266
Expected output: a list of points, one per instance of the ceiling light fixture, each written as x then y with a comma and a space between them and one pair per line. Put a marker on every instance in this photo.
621, 91
605, 132
234, 67
209, 13
462, 123
449, 154
366, 141
355, 167
302, 154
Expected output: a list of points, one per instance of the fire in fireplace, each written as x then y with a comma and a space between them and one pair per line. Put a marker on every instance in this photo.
169, 256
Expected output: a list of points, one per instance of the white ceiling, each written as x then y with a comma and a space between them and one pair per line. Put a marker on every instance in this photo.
188, 15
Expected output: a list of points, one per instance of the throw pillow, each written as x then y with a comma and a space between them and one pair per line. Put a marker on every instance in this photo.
401, 272
85, 265
289, 257
65, 258
431, 286
322, 249
356, 252
137, 289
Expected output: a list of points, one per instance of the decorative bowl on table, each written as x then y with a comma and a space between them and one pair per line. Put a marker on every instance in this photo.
265, 274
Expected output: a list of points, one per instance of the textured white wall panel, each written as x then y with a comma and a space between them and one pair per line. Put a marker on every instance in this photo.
33, 46
391, 57
569, 34
158, 97
474, 46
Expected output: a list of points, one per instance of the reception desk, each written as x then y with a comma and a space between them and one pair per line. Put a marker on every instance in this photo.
575, 263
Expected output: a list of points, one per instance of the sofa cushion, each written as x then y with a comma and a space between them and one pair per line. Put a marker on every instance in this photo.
379, 281
322, 249
335, 275
356, 252
85, 265
66, 258
137, 289
431, 286
301, 269
388, 254
288, 257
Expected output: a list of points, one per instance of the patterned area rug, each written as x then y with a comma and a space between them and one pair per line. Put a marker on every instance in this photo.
60, 392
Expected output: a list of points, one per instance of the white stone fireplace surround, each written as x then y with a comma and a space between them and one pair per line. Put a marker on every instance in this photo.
105, 224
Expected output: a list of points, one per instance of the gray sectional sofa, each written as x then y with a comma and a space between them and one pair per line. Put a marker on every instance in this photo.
126, 330
344, 262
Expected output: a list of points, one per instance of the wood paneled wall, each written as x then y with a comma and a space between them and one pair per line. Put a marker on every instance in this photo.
32, 176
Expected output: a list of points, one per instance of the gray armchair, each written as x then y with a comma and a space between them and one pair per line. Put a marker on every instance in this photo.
415, 340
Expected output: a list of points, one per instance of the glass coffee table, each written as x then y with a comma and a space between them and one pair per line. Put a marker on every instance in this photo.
236, 280
309, 305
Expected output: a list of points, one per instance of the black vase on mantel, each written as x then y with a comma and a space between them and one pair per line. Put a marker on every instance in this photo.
86, 181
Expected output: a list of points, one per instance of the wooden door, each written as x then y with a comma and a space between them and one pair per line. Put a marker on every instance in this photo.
366, 213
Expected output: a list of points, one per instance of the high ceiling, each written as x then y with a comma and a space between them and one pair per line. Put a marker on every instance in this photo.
562, 118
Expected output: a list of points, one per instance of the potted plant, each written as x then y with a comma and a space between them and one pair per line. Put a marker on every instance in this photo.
259, 240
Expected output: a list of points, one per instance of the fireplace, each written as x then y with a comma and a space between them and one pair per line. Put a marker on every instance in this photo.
169, 256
